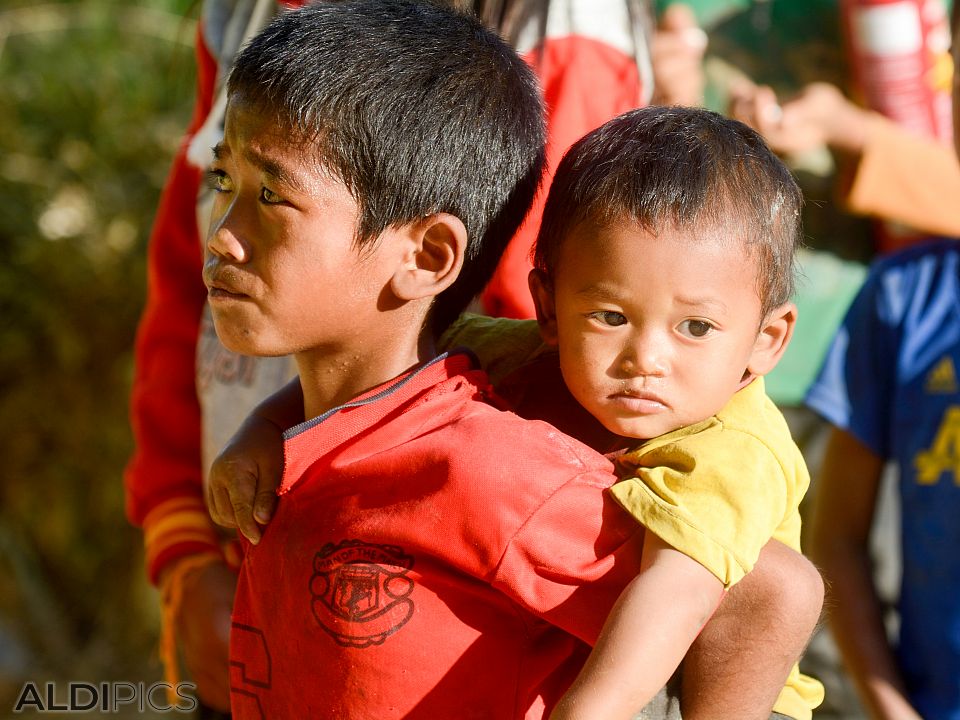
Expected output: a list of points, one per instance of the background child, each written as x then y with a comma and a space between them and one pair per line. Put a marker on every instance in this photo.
649, 357
889, 387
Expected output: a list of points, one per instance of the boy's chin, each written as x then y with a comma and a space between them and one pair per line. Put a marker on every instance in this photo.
243, 343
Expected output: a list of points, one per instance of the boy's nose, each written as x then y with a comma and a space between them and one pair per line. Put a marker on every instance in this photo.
224, 241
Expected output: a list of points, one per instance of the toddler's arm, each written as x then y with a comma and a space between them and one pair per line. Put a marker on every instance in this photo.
645, 637
241, 487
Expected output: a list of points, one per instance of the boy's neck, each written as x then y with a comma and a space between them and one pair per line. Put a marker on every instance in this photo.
330, 378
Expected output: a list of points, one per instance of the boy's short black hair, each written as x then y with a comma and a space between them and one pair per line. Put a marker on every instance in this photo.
416, 108
688, 167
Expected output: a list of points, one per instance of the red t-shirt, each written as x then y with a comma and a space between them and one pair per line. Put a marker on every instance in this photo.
430, 557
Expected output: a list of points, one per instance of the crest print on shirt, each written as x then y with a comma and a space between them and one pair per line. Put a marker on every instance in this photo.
361, 592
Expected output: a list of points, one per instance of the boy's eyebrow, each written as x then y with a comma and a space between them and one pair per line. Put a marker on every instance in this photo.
220, 151
267, 165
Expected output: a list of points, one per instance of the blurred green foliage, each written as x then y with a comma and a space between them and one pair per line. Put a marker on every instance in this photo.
96, 94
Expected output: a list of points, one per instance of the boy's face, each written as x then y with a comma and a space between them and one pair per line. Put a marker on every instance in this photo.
281, 268
655, 332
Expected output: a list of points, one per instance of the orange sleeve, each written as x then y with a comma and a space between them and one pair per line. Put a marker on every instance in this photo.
907, 179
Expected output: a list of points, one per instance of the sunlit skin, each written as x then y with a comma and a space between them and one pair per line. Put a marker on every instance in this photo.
656, 330
284, 275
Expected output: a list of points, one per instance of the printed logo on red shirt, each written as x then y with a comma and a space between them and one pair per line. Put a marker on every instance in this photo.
361, 592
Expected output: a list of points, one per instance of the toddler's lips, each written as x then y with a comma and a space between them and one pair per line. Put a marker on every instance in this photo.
639, 403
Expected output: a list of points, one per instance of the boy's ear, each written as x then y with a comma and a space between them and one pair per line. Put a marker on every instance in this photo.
433, 257
543, 300
772, 340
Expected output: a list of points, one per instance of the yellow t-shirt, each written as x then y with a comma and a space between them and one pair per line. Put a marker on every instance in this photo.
716, 491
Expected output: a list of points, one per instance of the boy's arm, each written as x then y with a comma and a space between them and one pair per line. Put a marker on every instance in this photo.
646, 635
241, 489
738, 665
842, 520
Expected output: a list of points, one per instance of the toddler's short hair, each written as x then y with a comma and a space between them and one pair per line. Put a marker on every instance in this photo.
689, 167
416, 108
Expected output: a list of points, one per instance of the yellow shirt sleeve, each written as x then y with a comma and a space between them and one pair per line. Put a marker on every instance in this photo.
501, 345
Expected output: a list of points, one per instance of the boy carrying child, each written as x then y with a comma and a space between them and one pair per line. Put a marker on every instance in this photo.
432, 556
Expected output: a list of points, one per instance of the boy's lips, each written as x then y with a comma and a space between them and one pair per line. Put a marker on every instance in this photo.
223, 284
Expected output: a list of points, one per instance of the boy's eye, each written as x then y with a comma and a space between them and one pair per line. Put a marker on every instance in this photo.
269, 196
609, 317
695, 328
219, 181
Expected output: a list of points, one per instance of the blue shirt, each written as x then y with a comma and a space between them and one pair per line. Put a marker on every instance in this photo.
890, 379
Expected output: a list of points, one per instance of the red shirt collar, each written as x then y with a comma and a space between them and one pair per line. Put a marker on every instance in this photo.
307, 441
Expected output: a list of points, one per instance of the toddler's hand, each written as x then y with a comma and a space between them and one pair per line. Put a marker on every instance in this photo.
241, 488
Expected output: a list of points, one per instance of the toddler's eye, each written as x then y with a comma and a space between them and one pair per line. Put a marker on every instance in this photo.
609, 317
696, 328
219, 181
269, 196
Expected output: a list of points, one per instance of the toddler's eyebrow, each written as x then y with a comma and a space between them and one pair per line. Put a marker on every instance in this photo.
597, 290
701, 302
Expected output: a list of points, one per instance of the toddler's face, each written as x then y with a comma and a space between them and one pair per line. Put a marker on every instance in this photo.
655, 331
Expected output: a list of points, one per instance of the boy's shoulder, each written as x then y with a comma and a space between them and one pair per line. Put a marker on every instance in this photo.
934, 250
531, 446
444, 413
917, 287
483, 427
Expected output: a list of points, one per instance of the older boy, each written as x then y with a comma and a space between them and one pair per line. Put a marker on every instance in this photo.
409, 567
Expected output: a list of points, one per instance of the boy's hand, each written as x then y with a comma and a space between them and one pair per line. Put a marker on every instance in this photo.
241, 488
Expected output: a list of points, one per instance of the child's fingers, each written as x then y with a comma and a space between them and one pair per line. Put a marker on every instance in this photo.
218, 503
264, 505
242, 491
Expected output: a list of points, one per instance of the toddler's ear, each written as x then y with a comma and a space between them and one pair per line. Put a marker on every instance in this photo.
433, 256
773, 339
543, 300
